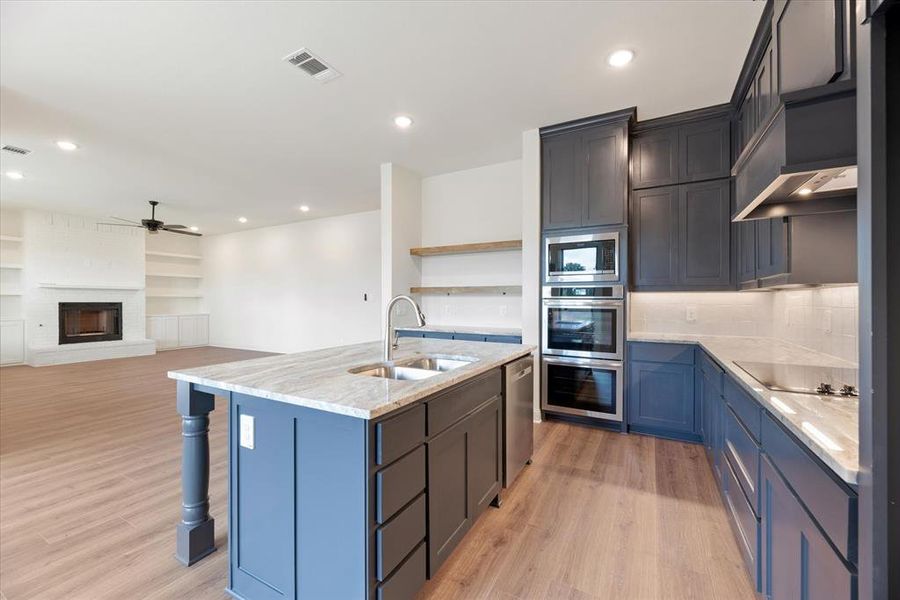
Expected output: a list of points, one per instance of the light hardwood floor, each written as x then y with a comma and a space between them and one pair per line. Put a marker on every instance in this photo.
89, 496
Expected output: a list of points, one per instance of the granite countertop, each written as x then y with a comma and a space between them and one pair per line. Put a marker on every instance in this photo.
828, 425
319, 379
465, 329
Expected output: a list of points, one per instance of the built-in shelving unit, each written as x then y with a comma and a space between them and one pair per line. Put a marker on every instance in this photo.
503, 290
173, 255
88, 286
505, 245
12, 337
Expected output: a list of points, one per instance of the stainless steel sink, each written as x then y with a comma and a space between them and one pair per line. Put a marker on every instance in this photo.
414, 368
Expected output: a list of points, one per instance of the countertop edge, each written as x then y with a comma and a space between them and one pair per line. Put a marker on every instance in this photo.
471, 371
848, 476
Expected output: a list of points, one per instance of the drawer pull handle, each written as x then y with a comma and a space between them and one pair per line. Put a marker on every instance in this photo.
522, 373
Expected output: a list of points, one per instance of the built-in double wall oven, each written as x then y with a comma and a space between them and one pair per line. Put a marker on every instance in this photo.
582, 349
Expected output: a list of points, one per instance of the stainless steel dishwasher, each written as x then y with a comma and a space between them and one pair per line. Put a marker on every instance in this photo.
518, 414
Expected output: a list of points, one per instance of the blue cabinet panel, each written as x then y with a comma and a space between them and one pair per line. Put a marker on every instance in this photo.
469, 337
661, 352
661, 396
744, 522
742, 454
748, 410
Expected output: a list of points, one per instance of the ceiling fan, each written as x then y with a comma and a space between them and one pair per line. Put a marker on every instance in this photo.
151, 224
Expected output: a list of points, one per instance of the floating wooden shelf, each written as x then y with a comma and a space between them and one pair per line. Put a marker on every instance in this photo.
176, 275
10, 238
173, 255
467, 248
503, 290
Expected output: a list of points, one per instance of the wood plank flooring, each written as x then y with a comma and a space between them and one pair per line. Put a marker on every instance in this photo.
90, 494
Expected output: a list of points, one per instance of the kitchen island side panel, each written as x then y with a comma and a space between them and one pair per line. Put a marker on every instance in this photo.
298, 502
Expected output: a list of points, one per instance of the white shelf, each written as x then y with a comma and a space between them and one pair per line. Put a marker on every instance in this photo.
175, 275
162, 294
10, 238
10, 293
89, 286
173, 255
11, 266
179, 314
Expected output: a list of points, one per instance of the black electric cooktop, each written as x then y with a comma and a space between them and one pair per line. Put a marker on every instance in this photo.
804, 379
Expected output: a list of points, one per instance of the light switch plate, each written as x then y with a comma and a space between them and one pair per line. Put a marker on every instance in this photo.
247, 432
690, 314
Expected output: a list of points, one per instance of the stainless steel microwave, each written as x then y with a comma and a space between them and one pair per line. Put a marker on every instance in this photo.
579, 258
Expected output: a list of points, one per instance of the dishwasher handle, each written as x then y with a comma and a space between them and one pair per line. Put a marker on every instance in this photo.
522, 373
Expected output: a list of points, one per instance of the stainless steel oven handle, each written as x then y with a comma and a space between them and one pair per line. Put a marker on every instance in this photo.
582, 362
576, 303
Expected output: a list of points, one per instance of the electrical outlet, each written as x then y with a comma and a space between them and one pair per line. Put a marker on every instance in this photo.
247, 432
446, 310
504, 310
826, 321
690, 314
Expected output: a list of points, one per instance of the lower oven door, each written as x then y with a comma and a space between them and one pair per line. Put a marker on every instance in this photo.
583, 387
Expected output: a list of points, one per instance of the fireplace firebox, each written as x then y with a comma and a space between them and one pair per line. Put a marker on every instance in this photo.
81, 322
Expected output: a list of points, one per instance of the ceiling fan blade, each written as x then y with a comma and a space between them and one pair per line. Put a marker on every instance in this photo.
166, 228
122, 225
176, 226
126, 221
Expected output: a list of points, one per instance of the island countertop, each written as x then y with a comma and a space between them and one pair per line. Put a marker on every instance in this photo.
320, 379
827, 425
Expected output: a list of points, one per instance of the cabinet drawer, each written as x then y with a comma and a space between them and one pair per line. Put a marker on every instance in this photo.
744, 522
398, 435
407, 579
748, 410
449, 407
831, 504
396, 538
660, 352
399, 483
743, 454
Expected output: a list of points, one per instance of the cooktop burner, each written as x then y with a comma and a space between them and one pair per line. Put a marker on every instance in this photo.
804, 379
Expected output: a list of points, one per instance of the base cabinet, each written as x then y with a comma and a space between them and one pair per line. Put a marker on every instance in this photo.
12, 342
797, 560
463, 478
660, 394
178, 331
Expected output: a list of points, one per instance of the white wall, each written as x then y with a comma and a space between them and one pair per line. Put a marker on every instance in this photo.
823, 319
295, 287
401, 229
475, 205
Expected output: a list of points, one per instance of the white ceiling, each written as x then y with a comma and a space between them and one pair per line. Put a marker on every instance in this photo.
190, 102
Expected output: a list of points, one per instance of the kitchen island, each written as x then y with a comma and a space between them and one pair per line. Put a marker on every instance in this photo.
345, 482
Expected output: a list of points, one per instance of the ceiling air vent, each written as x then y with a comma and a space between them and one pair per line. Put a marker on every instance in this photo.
312, 65
16, 150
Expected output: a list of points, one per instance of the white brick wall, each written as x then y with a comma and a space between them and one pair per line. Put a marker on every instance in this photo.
76, 251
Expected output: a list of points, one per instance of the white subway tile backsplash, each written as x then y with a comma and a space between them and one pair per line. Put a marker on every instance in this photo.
824, 319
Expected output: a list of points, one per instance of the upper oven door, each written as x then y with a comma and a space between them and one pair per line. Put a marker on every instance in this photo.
583, 328
593, 257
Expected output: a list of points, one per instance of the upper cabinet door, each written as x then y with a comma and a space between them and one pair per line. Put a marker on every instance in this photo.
810, 43
704, 151
561, 170
654, 159
705, 240
746, 231
764, 84
772, 247
605, 181
654, 219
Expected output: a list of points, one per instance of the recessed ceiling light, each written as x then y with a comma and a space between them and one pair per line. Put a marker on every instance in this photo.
804, 191
14, 175
402, 121
304, 208
194, 228
66, 145
620, 58
242, 219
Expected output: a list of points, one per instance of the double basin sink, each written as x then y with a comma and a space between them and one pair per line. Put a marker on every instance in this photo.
414, 368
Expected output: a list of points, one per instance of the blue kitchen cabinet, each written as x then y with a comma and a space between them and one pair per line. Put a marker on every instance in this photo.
660, 395
467, 337
797, 559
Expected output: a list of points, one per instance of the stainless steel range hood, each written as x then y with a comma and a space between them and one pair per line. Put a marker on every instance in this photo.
804, 160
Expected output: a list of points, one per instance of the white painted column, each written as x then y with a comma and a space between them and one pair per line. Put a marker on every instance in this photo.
401, 229
531, 252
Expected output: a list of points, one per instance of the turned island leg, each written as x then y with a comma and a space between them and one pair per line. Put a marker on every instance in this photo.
195, 534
